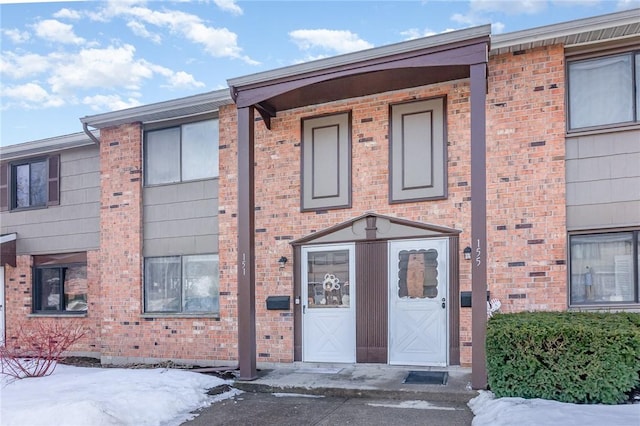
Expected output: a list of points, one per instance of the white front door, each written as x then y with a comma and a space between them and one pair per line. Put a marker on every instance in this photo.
418, 305
328, 304
2, 303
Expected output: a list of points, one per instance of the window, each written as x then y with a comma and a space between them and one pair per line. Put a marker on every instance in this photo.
417, 153
183, 153
326, 162
601, 91
60, 287
29, 183
181, 284
605, 268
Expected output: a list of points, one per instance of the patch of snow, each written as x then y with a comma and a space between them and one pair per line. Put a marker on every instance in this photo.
491, 411
419, 405
107, 396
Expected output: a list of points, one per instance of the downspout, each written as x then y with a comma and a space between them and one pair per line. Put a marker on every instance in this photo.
91, 135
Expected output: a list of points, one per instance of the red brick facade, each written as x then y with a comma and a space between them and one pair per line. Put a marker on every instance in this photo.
525, 213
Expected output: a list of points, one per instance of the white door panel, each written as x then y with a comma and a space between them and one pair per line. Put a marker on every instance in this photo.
418, 285
328, 304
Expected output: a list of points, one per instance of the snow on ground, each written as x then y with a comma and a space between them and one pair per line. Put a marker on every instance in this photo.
491, 411
106, 396
77, 396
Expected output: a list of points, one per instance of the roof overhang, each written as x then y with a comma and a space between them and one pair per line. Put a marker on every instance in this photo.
177, 108
46, 146
8, 249
612, 26
428, 60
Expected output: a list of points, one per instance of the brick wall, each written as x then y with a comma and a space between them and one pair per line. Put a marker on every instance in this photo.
127, 334
18, 303
526, 180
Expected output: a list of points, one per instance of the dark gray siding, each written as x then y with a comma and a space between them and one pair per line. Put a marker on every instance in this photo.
74, 225
603, 180
181, 218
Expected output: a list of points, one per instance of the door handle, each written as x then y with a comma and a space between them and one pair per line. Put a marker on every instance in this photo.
444, 305
304, 309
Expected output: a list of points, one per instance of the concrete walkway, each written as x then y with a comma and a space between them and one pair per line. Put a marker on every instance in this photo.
337, 394
359, 380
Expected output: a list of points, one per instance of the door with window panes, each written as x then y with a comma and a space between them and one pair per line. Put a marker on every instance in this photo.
328, 303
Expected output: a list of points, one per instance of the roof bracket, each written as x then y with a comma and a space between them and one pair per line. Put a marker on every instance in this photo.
266, 112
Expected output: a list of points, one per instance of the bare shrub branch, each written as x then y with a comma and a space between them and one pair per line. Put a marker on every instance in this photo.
37, 346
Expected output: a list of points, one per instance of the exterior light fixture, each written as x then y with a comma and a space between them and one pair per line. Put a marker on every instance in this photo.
467, 253
283, 261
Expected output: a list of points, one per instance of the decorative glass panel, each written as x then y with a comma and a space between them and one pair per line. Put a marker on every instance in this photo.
418, 274
162, 284
328, 279
200, 283
602, 268
200, 150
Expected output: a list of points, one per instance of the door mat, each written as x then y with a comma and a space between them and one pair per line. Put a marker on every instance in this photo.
427, 378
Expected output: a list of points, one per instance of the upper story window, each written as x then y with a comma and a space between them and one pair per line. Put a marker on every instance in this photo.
182, 153
604, 91
605, 268
30, 183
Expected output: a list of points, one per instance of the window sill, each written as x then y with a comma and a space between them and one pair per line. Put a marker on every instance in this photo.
180, 315
26, 209
624, 307
602, 130
57, 315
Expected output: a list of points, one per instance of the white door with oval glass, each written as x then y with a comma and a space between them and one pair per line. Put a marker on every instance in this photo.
328, 304
418, 285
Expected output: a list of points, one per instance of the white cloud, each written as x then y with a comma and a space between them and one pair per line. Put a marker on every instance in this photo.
110, 102
67, 14
627, 4
413, 33
141, 31
56, 31
332, 40
217, 42
229, 6
30, 95
24, 66
16, 36
497, 28
521, 7
98, 68
182, 79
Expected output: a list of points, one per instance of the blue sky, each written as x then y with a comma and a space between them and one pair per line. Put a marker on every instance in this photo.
64, 60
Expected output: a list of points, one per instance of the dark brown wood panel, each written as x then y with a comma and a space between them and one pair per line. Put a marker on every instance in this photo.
371, 302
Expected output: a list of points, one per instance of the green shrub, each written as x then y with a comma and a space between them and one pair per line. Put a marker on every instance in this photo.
576, 357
